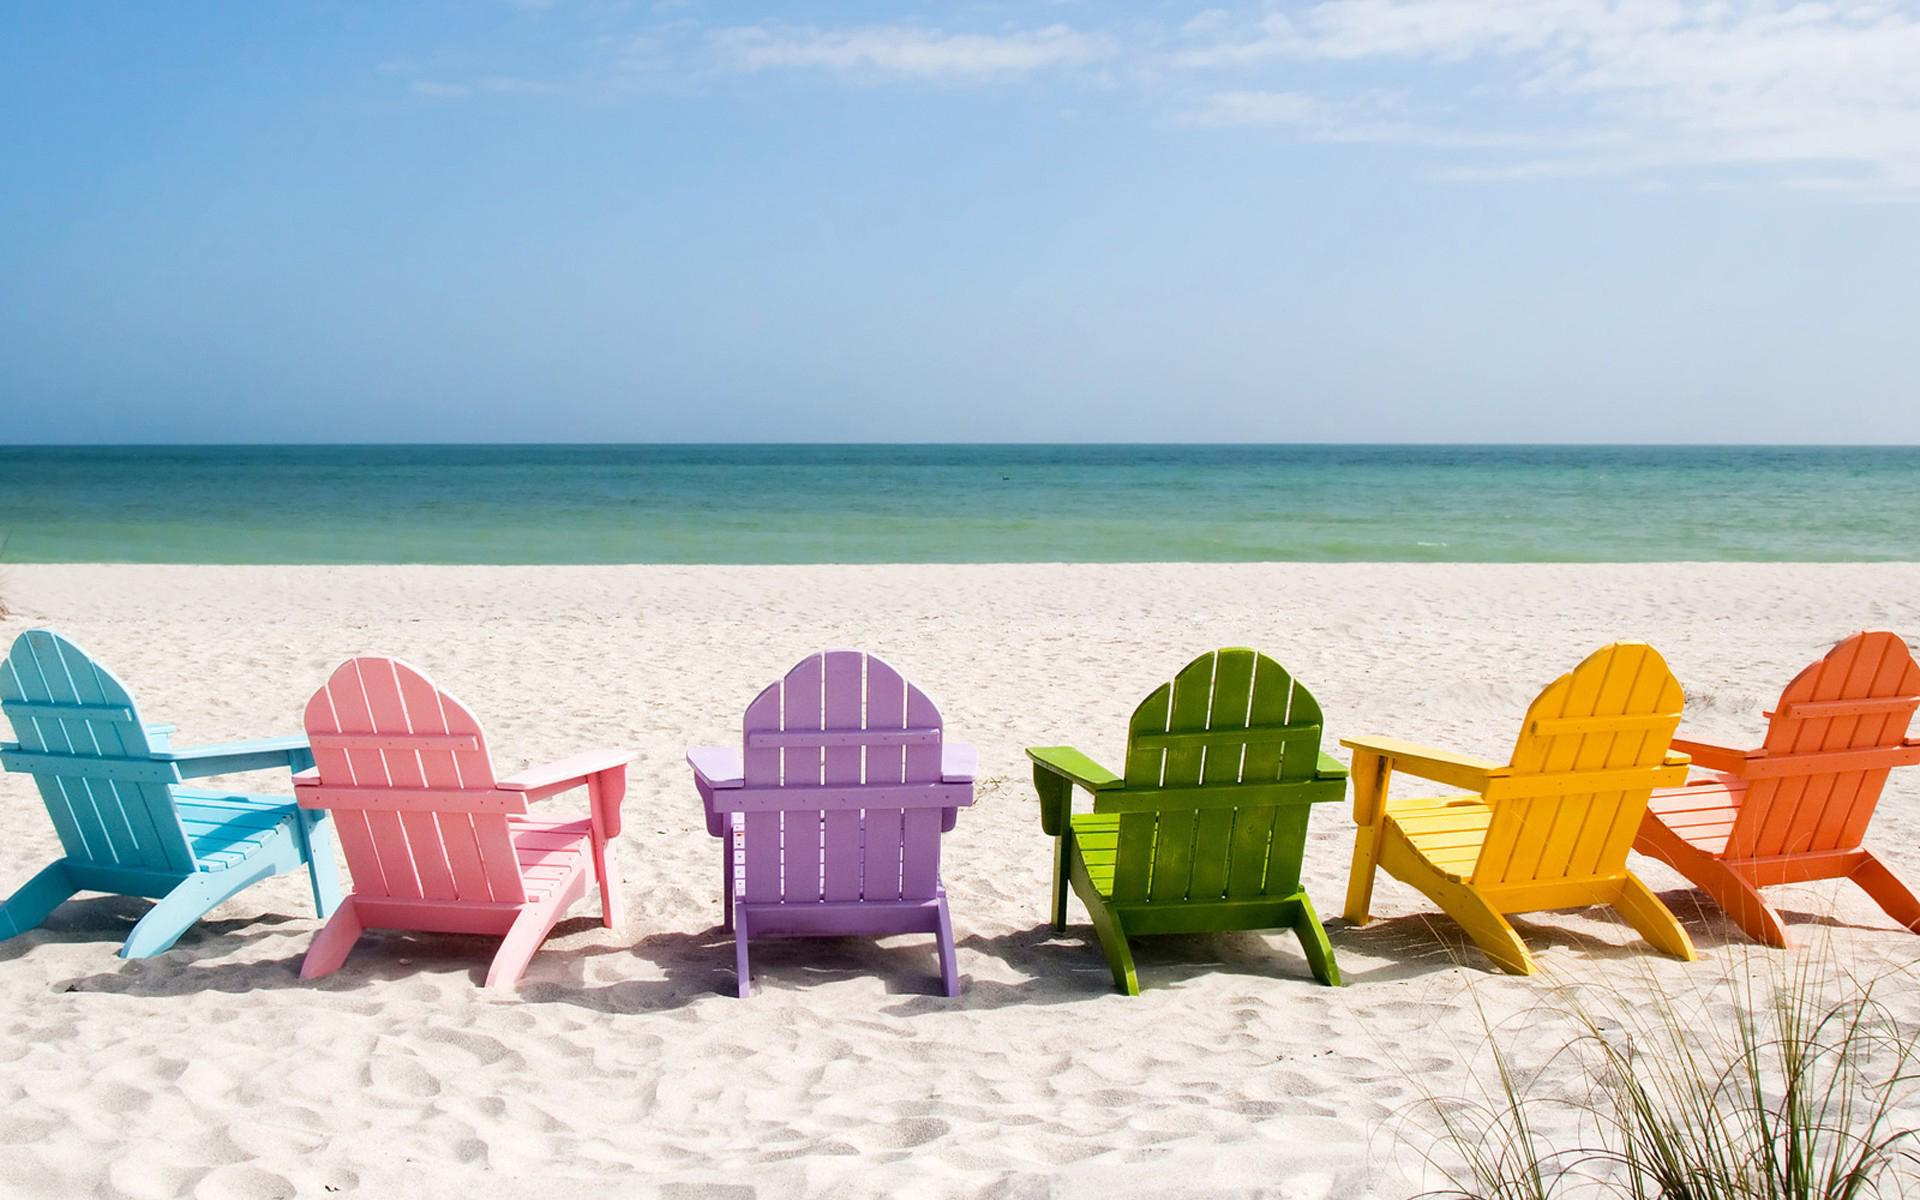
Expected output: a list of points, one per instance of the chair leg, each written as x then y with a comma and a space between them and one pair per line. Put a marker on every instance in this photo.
1643, 910
36, 899
1888, 890
740, 954
323, 871
726, 877
949, 963
1366, 861
523, 939
1490, 930
192, 898
1741, 901
612, 911
333, 943
1113, 935
1113, 943
1736, 896
1485, 924
1314, 943
1062, 847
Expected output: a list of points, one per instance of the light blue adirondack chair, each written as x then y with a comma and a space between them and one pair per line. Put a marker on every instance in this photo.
112, 787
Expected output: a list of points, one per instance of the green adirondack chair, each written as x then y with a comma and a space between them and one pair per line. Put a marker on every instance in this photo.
1205, 831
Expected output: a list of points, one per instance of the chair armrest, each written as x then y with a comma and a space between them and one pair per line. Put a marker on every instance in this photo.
1074, 766
715, 769
717, 766
1056, 769
1330, 767
307, 778
262, 754
566, 773
1426, 762
1716, 758
958, 762
604, 772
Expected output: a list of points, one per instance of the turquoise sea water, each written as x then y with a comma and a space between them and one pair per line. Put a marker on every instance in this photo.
873, 503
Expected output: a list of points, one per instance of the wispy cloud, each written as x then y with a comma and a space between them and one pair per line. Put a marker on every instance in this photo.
1823, 94
1820, 95
910, 51
487, 85
1370, 119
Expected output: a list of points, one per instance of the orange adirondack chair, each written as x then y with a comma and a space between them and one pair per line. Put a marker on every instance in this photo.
1796, 808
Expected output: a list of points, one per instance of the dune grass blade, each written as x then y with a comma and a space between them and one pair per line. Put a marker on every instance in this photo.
1782, 1085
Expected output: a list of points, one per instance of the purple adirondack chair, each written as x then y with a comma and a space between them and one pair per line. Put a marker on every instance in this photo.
830, 814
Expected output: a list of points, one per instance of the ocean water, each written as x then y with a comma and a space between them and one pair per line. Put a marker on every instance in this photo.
877, 503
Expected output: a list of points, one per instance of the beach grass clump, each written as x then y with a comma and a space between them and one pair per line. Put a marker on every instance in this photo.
1784, 1085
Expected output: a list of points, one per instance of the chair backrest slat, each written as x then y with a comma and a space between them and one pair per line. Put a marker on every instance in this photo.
1232, 720
1860, 696
1607, 724
61, 702
382, 731
884, 830
920, 828
841, 708
801, 764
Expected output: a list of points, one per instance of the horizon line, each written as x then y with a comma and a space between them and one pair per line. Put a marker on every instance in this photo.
507, 444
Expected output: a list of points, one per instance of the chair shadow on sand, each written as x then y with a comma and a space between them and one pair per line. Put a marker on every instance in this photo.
1424, 943
203, 962
105, 920
1055, 968
695, 966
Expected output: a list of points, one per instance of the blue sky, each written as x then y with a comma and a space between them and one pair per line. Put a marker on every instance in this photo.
1359, 220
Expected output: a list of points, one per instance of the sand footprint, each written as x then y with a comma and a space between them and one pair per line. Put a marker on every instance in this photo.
915, 1131
403, 1075
240, 1181
140, 1177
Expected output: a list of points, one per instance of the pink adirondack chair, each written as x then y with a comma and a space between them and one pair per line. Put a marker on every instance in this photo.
830, 814
433, 840
1796, 808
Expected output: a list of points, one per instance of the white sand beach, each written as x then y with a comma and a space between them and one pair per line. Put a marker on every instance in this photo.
624, 1066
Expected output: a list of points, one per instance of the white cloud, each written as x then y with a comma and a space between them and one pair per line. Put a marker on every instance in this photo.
1827, 95
908, 50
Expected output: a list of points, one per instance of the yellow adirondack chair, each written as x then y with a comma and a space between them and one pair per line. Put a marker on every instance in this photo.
1551, 828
